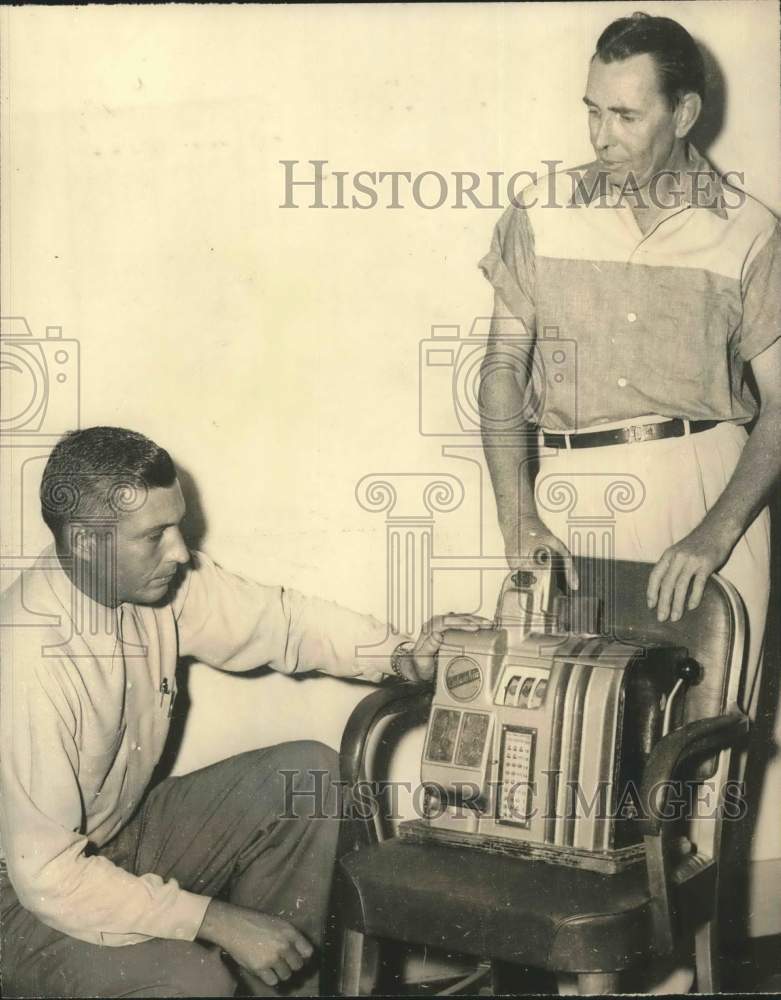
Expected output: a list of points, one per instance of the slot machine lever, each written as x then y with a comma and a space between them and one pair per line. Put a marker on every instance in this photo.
689, 673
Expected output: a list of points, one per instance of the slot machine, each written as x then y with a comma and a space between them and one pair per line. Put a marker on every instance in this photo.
540, 728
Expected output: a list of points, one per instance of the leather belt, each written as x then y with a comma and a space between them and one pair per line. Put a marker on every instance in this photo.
628, 435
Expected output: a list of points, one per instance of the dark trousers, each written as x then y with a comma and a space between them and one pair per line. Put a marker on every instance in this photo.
220, 831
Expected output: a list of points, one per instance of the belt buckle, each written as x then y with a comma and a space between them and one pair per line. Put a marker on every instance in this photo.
637, 433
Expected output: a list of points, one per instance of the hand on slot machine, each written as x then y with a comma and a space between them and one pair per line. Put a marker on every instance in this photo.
417, 661
532, 534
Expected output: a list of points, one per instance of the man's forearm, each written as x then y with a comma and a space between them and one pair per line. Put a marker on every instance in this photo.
212, 928
749, 487
508, 456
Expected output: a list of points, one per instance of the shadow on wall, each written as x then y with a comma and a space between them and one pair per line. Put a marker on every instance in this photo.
194, 526
711, 121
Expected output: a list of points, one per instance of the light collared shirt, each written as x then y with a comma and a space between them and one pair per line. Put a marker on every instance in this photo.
629, 324
84, 701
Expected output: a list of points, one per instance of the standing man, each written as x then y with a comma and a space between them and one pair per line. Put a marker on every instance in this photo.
111, 887
665, 284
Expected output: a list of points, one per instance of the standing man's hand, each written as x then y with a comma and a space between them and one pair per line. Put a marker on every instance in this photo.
532, 534
687, 564
264, 945
420, 662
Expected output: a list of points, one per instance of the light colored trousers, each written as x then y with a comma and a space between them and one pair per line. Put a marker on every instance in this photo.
645, 496
650, 495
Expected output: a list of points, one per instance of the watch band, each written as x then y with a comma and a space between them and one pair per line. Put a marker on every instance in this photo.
403, 649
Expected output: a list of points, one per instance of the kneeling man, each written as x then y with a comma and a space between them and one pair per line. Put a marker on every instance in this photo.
112, 885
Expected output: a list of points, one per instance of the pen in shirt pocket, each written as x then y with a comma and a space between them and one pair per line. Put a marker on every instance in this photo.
167, 691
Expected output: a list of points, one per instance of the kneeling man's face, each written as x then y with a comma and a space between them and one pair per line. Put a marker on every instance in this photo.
150, 547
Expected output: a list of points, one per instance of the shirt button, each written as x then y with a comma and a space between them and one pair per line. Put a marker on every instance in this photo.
621, 382
631, 317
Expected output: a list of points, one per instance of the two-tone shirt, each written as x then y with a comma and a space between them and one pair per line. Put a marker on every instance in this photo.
627, 323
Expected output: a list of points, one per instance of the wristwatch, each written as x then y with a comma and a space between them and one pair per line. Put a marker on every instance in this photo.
403, 649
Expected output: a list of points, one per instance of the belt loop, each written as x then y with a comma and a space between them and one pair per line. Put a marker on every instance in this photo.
567, 441
687, 427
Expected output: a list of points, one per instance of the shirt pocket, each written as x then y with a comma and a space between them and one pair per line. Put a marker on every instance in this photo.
95, 764
675, 345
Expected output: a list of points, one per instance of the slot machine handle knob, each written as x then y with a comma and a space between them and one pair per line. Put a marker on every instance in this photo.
523, 578
690, 671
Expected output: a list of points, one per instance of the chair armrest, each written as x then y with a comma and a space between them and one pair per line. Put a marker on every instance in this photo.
393, 699
703, 736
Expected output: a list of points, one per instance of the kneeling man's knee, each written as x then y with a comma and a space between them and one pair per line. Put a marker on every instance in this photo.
304, 757
316, 756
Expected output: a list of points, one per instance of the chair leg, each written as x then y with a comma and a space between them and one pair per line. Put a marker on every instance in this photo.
511, 979
706, 950
597, 983
359, 965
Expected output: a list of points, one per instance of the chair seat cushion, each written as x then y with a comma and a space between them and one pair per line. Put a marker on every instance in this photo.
519, 910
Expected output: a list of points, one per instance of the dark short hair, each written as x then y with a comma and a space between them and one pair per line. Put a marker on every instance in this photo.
100, 473
678, 59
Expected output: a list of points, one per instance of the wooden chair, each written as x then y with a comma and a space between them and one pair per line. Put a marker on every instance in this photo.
535, 914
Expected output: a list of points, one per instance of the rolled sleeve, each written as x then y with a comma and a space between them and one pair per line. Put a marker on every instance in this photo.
761, 291
509, 265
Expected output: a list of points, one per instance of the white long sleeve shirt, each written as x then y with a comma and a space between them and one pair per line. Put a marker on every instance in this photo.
84, 714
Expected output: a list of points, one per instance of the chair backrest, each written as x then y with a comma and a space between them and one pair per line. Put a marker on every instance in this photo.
714, 633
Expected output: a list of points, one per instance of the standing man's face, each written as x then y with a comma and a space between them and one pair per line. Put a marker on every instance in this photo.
631, 125
150, 547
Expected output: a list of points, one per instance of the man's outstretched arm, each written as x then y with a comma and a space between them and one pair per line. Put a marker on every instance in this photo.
237, 624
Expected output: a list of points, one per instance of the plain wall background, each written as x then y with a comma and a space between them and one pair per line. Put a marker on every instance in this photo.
273, 351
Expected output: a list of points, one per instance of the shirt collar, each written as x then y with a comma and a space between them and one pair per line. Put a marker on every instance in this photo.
95, 623
697, 183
